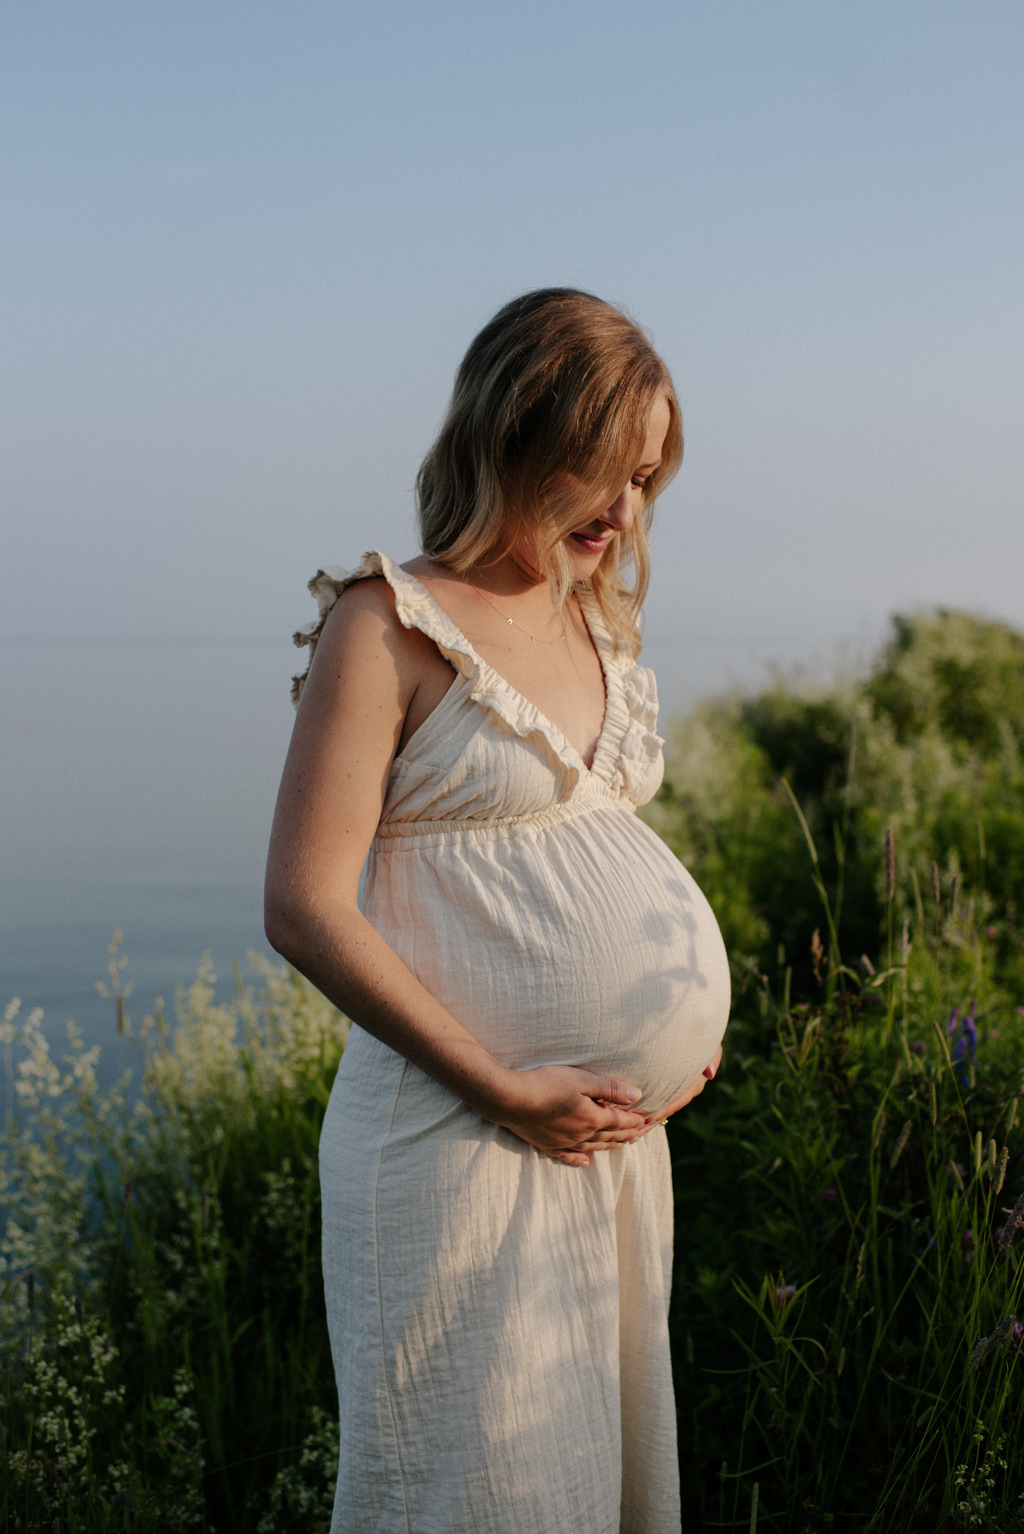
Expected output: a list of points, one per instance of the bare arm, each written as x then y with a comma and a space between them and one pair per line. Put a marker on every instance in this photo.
364, 680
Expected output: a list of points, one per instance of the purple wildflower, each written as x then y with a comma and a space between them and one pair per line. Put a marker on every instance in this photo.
967, 1245
785, 1292
991, 931
969, 1030
830, 1195
964, 1033
918, 1047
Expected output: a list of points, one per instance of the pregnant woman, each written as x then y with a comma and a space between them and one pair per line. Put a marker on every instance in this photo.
536, 983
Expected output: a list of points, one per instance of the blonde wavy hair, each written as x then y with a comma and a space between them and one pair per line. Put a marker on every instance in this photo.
546, 424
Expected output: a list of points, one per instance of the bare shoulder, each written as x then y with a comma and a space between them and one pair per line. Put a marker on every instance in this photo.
365, 605
422, 566
363, 638
371, 676
437, 578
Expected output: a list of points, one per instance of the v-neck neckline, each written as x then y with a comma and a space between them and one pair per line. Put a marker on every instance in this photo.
548, 725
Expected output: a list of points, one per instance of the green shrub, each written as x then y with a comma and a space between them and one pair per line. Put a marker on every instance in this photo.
848, 1315
164, 1336
931, 744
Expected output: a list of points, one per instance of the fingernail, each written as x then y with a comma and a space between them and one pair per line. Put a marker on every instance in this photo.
633, 1094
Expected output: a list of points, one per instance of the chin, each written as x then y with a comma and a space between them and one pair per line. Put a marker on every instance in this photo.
584, 565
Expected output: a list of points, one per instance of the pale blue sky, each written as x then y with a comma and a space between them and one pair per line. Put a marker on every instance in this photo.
246, 243
243, 247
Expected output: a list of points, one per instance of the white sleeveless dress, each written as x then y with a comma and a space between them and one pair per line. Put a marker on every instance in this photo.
499, 1320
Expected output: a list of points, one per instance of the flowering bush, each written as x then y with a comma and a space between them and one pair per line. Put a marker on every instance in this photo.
161, 1308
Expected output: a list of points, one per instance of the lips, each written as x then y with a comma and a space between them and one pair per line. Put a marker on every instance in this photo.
592, 545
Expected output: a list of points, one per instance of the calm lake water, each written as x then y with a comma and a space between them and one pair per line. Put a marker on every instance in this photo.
136, 788
137, 783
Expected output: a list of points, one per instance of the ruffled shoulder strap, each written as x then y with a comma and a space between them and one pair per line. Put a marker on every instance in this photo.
628, 757
413, 604
416, 608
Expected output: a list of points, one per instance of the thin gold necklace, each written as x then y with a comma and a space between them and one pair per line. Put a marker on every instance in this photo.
513, 624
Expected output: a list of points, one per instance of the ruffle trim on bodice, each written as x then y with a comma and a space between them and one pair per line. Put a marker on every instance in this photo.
628, 748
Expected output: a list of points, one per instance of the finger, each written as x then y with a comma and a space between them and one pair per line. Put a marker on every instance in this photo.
711, 1069
620, 1118
605, 1137
610, 1089
679, 1102
609, 1139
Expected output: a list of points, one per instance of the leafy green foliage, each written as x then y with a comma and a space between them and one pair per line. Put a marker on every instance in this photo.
848, 1313
843, 1204
931, 744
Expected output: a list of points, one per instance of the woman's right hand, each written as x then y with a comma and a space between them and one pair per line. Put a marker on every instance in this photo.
568, 1112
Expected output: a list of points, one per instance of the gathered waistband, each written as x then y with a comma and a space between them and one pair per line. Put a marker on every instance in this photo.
403, 835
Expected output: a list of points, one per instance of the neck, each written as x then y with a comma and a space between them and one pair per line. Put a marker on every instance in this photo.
508, 577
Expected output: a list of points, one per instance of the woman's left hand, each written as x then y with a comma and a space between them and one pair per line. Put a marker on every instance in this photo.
709, 1072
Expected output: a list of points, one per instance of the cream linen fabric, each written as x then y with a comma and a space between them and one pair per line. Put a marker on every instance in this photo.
499, 1320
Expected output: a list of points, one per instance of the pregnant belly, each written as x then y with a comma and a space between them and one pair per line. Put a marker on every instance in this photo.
585, 944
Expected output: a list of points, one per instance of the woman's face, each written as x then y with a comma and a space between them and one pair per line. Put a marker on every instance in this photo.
587, 543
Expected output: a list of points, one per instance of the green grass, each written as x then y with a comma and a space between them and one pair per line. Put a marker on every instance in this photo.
840, 1200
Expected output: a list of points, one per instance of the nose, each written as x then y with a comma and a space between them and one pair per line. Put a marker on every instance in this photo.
619, 514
